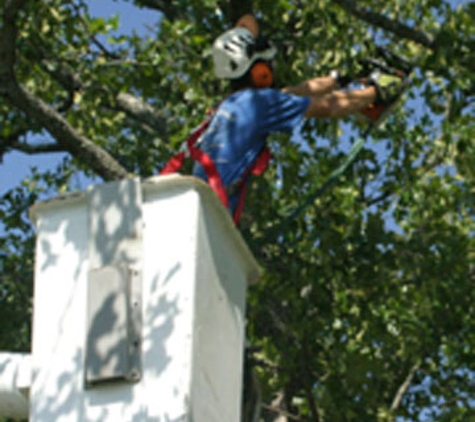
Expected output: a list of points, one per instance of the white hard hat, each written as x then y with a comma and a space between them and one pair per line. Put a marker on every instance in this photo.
236, 50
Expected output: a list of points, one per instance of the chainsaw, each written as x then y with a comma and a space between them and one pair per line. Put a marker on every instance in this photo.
389, 63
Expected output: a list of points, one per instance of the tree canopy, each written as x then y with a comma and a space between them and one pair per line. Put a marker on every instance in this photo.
365, 311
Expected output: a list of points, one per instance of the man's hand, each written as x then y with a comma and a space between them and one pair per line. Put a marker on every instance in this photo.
388, 87
249, 22
341, 80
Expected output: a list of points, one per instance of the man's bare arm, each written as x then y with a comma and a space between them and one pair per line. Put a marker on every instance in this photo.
313, 87
341, 103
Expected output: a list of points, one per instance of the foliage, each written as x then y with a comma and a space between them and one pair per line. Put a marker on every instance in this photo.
365, 310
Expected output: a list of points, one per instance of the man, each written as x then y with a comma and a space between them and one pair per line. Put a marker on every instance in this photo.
236, 135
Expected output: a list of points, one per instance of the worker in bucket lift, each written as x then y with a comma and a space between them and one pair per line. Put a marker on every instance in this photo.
234, 140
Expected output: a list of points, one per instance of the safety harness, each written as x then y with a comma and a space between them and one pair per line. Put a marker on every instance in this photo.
214, 178
389, 63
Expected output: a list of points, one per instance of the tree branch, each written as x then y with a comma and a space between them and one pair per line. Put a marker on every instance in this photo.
66, 136
134, 107
387, 24
141, 111
279, 408
8, 35
233, 9
6, 144
91, 35
64, 74
170, 11
37, 149
79, 146
403, 388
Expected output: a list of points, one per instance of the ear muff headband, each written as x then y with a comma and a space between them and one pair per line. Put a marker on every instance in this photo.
261, 74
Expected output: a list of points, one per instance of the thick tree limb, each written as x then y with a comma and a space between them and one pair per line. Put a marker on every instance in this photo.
68, 138
391, 25
142, 112
8, 36
79, 146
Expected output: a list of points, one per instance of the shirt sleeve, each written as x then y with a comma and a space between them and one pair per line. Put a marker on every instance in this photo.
281, 112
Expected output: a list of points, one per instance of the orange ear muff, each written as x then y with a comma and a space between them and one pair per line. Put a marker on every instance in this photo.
262, 76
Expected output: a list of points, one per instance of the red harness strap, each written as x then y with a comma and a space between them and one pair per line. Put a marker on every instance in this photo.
256, 169
214, 179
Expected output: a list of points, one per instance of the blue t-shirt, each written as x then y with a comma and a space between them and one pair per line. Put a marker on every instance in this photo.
239, 128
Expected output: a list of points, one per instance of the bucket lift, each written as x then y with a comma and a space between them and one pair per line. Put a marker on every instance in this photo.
139, 308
